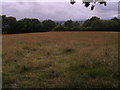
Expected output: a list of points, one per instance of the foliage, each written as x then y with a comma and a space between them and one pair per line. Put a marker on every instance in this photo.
48, 25
27, 25
97, 24
8, 25
59, 28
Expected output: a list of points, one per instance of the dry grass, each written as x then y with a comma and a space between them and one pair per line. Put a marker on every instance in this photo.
60, 59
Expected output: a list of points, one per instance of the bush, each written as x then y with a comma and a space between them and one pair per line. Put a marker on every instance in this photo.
59, 28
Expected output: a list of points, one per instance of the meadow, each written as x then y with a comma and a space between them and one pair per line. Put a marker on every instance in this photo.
60, 60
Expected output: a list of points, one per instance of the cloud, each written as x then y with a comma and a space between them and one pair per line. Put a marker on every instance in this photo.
57, 10
107, 12
39, 0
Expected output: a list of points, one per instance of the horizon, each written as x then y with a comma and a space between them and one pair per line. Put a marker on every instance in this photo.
60, 20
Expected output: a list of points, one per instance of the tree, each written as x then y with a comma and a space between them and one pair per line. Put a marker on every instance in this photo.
27, 25
89, 22
0, 24
93, 23
97, 25
69, 23
48, 25
94, 18
8, 25
115, 19
59, 28
11, 26
111, 25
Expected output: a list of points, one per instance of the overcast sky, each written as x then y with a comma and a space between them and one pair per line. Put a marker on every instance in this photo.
57, 10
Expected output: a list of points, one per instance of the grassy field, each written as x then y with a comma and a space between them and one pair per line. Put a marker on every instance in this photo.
60, 60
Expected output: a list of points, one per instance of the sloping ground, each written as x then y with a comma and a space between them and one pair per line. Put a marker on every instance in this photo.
60, 59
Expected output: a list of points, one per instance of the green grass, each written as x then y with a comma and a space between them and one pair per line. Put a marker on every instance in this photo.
60, 60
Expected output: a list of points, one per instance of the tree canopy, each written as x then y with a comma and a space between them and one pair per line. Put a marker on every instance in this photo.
8, 24
48, 25
27, 25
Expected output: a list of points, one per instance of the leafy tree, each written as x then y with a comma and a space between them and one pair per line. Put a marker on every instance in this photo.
69, 23
76, 28
116, 22
115, 19
111, 25
76, 23
97, 25
94, 18
11, 26
59, 28
8, 25
48, 25
27, 25
89, 22
0, 24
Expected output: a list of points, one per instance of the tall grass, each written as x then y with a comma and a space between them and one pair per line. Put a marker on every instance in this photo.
60, 60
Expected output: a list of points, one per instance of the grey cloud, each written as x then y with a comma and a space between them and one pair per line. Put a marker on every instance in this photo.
107, 12
57, 10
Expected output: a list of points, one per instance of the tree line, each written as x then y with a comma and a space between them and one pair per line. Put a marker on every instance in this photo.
28, 25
